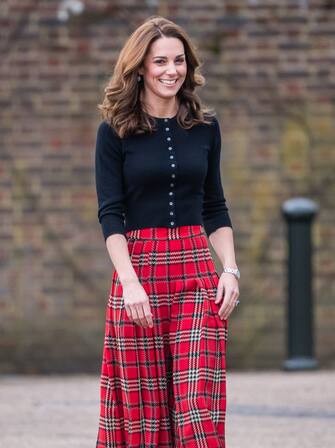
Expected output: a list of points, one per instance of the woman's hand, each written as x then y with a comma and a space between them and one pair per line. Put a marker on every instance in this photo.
229, 284
137, 303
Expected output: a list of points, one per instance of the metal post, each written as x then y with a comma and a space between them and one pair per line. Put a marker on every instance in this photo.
299, 213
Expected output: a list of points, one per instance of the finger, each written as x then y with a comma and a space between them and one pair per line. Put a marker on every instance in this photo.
228, 310
148, 314
225, 302
225, 305
231, 305
128, 311
141, 318
134, 314
146, 318
219, 294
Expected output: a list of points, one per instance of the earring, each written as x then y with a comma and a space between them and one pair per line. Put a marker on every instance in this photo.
139, 77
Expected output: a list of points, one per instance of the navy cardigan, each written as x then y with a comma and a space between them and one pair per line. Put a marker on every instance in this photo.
167, 178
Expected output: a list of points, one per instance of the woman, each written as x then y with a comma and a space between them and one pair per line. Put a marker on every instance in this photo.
163, 377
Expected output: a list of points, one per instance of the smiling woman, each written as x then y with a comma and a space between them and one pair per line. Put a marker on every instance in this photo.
158, 180
169, 70
155, 76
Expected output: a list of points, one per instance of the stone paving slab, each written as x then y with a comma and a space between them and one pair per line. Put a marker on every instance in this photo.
265, 410
281, 409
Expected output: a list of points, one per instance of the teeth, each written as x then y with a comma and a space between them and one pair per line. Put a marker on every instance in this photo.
165, 81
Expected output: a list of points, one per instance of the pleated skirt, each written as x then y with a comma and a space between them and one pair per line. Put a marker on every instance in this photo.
165, 386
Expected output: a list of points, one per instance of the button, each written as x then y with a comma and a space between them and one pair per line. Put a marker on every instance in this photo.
168, 138
172, 222
167, 129
170, 147
173, 175
173, 165
170, 193
166, 119
170, 203
171, 157
171, 185
171, 213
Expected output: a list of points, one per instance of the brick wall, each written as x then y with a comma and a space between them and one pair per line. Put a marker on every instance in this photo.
270, 76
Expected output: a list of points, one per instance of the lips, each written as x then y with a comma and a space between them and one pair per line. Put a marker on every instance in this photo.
168, 82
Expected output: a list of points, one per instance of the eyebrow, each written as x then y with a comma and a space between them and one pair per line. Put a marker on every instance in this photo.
178, 55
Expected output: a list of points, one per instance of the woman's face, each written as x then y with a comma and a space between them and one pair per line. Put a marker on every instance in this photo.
164, 69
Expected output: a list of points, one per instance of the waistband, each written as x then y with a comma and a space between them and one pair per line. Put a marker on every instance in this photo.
166, 233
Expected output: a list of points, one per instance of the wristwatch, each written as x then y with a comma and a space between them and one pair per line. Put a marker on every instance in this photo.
233, 271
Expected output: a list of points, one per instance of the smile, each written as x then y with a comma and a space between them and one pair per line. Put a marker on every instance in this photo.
168, 82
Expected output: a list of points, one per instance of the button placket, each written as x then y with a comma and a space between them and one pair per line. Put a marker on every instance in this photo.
171, 194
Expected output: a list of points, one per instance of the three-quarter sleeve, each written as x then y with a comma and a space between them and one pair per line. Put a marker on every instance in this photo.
215, 210
109, 180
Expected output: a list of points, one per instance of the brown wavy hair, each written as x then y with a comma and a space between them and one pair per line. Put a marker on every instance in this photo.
121, 106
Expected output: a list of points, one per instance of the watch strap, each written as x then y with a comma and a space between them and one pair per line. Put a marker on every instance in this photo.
233, 271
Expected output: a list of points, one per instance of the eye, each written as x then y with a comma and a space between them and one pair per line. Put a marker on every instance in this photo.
159, 61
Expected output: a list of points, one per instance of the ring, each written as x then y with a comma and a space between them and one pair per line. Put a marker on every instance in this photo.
237, 302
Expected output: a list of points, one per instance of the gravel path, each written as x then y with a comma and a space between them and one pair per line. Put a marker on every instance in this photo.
265, 410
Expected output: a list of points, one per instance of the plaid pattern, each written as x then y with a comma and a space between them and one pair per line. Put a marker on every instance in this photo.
166, 386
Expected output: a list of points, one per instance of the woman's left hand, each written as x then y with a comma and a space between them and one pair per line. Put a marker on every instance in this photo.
229, 284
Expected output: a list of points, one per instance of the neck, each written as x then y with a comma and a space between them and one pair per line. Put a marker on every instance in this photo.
167, 108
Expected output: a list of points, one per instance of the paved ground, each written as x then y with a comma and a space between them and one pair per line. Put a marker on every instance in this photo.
265, 410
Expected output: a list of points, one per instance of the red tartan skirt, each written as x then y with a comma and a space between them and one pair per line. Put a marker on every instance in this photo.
166, 386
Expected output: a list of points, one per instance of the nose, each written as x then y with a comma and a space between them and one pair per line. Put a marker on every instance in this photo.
171, 70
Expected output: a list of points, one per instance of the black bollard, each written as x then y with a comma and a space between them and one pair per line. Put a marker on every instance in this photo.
299, 213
